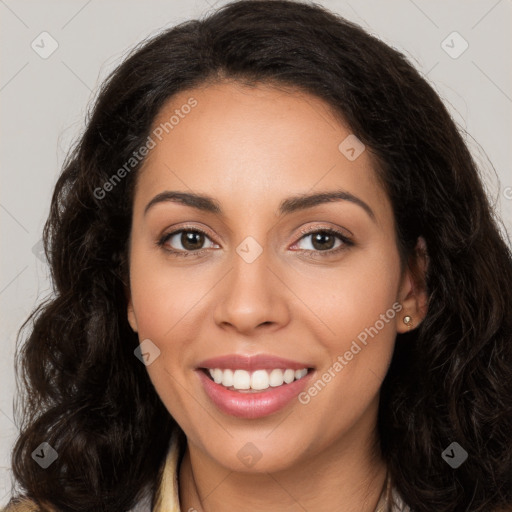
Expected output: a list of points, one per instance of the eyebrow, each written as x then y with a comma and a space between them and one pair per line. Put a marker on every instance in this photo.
289, 205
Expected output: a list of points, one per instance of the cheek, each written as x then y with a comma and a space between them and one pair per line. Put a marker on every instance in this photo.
163, 301
164, 296
347, 300
358, 310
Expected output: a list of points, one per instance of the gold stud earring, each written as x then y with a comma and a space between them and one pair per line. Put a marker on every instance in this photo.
407, 320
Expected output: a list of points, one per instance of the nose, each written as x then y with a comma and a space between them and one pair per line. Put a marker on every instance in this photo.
252, 297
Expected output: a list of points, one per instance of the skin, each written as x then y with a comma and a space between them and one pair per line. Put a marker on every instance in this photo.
250, 148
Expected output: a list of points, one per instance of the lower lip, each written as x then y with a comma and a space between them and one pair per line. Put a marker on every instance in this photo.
252, 405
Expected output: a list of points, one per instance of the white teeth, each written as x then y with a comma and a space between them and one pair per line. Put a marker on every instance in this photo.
257, 380
217, 375
276, 378
241, 379
300, 373
227, 378
289, 376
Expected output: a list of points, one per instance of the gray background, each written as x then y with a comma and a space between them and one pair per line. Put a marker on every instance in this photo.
43, 104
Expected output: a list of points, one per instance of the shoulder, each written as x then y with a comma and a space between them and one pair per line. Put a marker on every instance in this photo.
22, 505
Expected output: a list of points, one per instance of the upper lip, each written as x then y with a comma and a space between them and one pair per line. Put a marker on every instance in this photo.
251, 362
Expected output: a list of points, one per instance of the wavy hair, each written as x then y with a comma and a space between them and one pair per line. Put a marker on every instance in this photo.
450, 379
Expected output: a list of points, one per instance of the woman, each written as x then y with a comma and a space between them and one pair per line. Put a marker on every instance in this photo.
279, 286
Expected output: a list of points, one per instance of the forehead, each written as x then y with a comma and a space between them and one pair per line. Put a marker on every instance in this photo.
254, 145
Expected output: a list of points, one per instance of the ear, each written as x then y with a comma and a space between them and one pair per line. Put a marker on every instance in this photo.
124, 275
413, 294
131, 314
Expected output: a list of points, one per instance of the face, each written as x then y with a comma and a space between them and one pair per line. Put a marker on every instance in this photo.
258, 285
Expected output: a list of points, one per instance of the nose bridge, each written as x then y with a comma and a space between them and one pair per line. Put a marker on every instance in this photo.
250, 275
250, 263
251, 295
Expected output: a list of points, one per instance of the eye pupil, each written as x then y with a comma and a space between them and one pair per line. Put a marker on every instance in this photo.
321, 237
189, 240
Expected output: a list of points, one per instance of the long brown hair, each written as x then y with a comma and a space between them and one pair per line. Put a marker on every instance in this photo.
450, 379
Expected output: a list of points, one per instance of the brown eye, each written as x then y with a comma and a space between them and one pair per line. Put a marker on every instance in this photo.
184, 241
192, 240
323, 241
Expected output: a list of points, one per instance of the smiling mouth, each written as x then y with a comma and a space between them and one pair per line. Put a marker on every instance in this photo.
255, 381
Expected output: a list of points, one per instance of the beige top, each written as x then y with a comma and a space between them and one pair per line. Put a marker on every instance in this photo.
167, 496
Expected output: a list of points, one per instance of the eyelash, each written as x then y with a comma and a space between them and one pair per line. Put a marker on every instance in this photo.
347, 242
